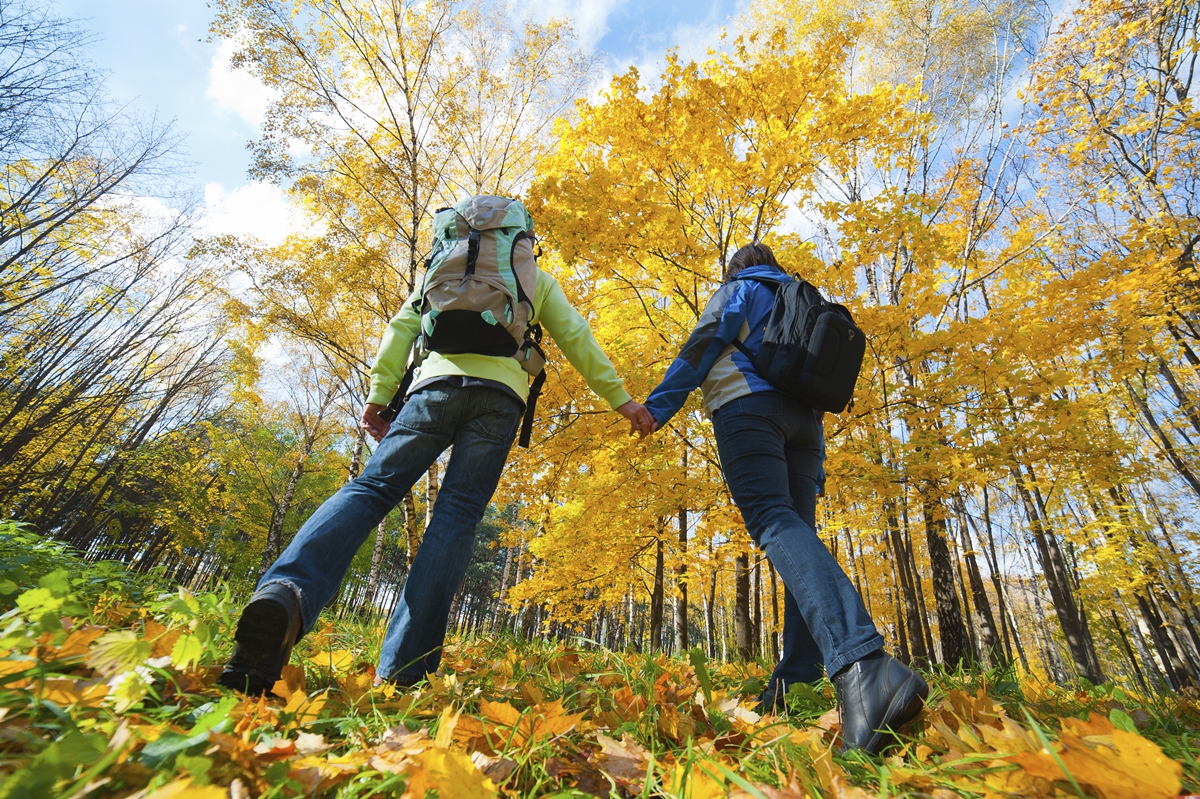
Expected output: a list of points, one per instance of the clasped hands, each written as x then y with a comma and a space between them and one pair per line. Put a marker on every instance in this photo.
640, 420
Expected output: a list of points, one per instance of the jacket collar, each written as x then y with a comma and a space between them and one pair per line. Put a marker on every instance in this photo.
764, 272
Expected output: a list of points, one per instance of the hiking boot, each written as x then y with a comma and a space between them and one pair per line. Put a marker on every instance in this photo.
265, 634
876, 695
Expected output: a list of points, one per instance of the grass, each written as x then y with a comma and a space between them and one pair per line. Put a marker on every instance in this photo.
106, 689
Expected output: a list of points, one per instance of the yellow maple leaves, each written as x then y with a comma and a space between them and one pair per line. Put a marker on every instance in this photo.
1024, 759
502, 727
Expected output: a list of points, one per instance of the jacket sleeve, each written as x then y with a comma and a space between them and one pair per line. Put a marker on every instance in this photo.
719, 324
392, 359
571, 332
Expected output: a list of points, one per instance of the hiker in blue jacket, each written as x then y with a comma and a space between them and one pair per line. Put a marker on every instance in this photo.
772, 449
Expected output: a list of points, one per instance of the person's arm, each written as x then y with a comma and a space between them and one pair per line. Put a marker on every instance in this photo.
390, 364
570, 331
720, 323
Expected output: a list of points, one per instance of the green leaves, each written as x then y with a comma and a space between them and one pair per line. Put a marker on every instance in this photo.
55, 764
118, 651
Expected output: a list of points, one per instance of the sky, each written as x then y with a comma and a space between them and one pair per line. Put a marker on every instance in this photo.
158, 57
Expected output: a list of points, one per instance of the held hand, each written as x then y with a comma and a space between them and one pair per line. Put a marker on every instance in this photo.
373, 423
640, 420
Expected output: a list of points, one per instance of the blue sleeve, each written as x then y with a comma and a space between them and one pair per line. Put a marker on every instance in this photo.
719, 324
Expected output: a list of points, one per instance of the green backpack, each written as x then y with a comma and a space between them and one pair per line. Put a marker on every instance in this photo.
477, 293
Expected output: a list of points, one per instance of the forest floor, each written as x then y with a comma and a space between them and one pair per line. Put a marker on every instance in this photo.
106, 689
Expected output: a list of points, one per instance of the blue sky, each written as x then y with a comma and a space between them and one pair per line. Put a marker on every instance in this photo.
158, 57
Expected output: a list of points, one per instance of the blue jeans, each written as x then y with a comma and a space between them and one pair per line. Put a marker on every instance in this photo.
480, 423
771, 450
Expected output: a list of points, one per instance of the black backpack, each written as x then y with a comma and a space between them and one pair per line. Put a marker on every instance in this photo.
812, 350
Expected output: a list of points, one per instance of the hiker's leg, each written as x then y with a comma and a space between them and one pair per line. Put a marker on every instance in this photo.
801, 657
754, 436
317, 558
800, 660
487, 423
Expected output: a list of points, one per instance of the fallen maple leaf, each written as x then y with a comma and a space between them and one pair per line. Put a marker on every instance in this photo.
311, 743
1123, 765
186, 789
496, 769
626, 762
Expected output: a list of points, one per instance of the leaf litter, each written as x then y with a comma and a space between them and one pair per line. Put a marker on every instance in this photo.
120, 701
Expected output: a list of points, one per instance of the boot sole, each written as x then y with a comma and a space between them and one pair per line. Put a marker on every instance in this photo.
262, 629
903, 708
260, 637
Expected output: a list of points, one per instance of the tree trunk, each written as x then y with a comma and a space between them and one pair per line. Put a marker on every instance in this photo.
376, 559
952, 632
1080, 645
987, 621
656, 598
275, 533
756, 645
412, 533
1177, 675
431, 493
681, 613
1007, 631
774, 613
710, 622
741, 611
1164, 442
908, 593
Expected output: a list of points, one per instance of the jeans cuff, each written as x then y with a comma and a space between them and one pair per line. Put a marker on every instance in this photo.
844, 659
304, 625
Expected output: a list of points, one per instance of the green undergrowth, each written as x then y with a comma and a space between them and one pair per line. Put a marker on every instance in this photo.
106, 689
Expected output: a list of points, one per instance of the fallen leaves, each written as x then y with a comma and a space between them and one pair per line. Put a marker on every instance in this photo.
549, 720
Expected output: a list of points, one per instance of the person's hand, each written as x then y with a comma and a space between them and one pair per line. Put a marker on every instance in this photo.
375, 425
640, 420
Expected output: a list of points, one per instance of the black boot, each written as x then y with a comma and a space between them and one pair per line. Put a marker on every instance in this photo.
877, 694
265, 634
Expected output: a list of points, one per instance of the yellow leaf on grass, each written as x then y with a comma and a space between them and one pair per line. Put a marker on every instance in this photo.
532, 693
185, 789
446, 724
552, 719
186, 650
291, 681
500, 712
79, 641
451, 773
625, 762
338, 660
1123, 766
16, 665
65, 692
306, 709
700, 780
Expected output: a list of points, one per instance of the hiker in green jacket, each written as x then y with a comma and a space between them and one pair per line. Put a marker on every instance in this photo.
468, 400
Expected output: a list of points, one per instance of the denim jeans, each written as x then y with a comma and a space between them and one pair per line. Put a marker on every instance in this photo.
771, 452
480, 423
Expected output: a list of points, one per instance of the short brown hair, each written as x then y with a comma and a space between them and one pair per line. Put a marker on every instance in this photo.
753, 254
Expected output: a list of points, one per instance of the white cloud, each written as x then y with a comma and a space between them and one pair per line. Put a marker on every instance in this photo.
589, 18
692, 40
258, 210
236, 90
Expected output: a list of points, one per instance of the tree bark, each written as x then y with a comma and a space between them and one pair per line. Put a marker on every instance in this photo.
951, 631
656, 598
376, 559
987, 621
741, 611
681, 601
908, 593
1080, 645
